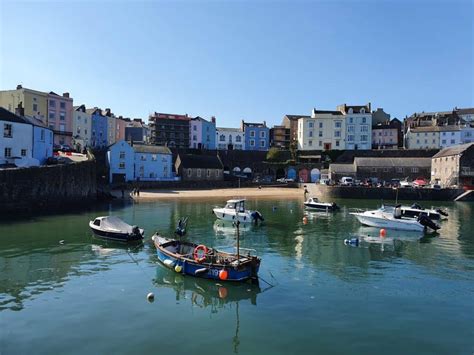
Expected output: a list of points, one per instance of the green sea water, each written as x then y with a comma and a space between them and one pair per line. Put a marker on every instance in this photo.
62, 291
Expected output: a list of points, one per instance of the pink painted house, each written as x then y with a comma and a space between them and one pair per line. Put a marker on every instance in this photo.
120, 125
60, 117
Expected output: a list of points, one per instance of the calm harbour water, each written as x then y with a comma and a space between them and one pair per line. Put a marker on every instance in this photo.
63, 291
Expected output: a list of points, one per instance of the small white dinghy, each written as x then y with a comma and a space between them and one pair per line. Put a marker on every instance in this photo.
234, 211
113, 228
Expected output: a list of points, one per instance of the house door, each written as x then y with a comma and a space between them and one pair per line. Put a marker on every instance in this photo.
327, 146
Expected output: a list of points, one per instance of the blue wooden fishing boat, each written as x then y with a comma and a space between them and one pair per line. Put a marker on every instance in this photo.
200, 261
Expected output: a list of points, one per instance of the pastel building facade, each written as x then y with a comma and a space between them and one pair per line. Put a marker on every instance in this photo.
230, 139
43, 140
139, 162
324, 130
257, 135
120, 125
99, 128
81, 128
202, 133
358, 135
60, 117
422, 137
34, 103
449, 136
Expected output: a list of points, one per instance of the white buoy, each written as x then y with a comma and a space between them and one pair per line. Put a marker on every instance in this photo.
150, 297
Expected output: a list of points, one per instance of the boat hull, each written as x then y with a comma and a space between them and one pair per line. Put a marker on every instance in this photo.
118, 237
387, 223
241, 272
321, 206
242, 217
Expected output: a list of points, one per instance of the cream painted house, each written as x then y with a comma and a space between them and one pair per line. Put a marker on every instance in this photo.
422, 138
324, 130
34, 103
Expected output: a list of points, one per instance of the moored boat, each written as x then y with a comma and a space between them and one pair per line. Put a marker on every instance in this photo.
392, 219
315, 204
200, 261
234, 211
113, 228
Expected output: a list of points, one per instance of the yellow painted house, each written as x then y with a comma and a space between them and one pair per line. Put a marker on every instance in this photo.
35, 103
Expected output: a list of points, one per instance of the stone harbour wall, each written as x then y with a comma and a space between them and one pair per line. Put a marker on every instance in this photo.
47, 187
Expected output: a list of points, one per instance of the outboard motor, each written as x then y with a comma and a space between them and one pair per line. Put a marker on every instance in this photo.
135, 230
417, 206
256, 216
397, 212
335, 207
352, 242
427, 222
181, 227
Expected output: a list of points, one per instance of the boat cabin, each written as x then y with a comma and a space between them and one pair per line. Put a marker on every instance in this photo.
237, 205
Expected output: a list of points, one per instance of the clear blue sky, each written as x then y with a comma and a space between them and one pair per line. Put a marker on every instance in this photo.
252, 60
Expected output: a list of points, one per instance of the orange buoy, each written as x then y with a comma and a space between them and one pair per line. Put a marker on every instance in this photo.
305, 220
222, 292
223, 274
382, 233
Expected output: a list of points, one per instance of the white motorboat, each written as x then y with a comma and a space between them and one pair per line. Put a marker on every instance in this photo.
113, 228
314, 204
415, 211
392, 219
234, 211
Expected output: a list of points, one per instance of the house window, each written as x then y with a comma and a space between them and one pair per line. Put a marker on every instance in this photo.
194, 128
52, 115
62, 127
222, 138
23, 152
337, 133
351, 120
208, 173
153, 157
42, 135
122, 165
320, 125
310, 133
35, 107
351, 128
320, 134
350, 137
337, 143
165, 171
252, 133
364, 119
190, 172
414, 170
62, 116
194, 137
142, 171
310, 124
320, 143
399, 170
122, 155
310, 143
262, 134
8, 152
385, 170
7, 130
62, 105
198, 172
252, 142
238, 139
52, 103
337, 124
364, 128
374, 170
262, 144
363, 138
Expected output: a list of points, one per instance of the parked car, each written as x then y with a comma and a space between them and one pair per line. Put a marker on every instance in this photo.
347, 181
325, 182
406, 183
436, 186
420, 182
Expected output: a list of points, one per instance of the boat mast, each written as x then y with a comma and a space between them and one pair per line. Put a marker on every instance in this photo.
238, 240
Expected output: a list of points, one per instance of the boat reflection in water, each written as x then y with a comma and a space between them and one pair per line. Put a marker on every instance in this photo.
227, 229
204, 292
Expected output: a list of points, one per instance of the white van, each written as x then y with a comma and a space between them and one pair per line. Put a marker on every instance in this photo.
347, 181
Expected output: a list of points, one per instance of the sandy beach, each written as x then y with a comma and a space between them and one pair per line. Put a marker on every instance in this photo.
248, 192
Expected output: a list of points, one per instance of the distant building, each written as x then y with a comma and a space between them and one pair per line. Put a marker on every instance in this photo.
392, 168
139, 162
358, 135
426, 137
280, 137
120, 125
230, 139
203, 133
291, 122
25, 141
60, 117
379, 116
199, 167
467, 114
387, 134
171, 130
454, 166
257, 135
324, 130
35, 103
99, 128
136, 131
81, 128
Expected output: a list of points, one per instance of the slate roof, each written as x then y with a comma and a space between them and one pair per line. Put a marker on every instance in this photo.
296, 117
465, 111
342, 168
392, 162
229, 129
337, 113
153, 149
454, 150
349, 155
9, 116
435, 129
36, 122
200, 161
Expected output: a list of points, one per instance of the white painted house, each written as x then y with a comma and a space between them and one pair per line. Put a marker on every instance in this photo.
422, 137
230, 138
16, 140
81, 127
324, 130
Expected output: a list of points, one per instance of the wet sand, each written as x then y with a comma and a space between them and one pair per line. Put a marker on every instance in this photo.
247, 192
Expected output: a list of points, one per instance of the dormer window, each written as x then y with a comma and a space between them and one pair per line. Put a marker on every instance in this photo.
362, 110
350, 111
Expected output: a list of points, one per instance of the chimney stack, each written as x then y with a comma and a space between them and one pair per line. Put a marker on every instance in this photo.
20, 111
213, 119
66, 94
18, 87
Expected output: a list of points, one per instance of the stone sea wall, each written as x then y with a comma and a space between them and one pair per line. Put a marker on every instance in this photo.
325, 192
26, 190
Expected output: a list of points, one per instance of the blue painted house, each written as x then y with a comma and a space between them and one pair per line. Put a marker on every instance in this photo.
139, 162
99, 128
257, 135
43, 140
203, 133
